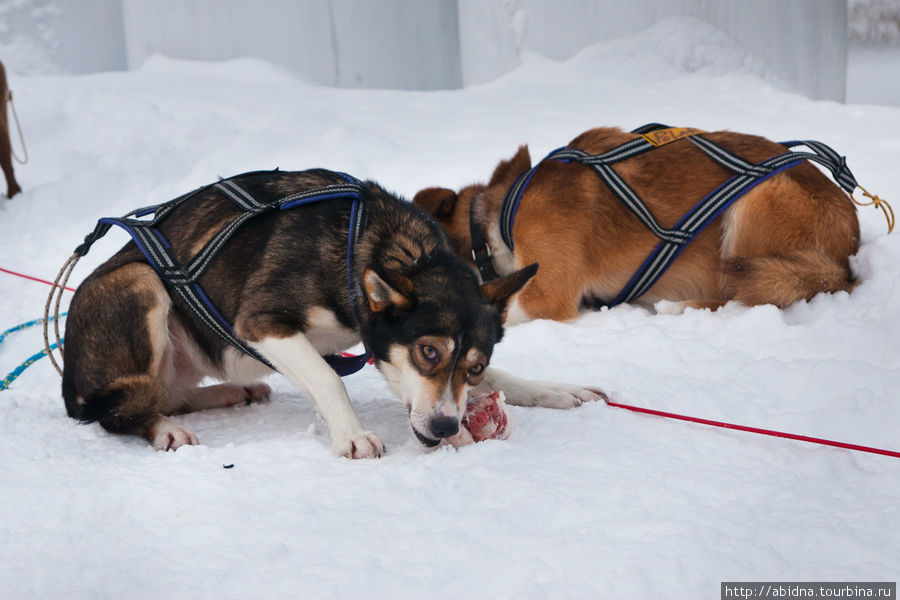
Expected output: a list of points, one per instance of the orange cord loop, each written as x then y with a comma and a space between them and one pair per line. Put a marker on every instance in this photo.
877, 203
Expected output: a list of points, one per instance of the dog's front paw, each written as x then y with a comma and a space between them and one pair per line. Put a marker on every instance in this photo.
554, 395
364, 445
169, 435
526, 392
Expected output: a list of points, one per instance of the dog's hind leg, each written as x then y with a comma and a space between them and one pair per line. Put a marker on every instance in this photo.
134, 405
789, 240
221, 396
12, 186
118, 357
140, 405
782, 280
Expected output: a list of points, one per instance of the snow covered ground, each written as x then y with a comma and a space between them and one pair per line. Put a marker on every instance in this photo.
594, 502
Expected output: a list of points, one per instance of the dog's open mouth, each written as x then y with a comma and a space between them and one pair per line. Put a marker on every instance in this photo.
426, 441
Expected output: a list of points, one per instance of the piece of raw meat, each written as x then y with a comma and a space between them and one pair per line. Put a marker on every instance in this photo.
486, 418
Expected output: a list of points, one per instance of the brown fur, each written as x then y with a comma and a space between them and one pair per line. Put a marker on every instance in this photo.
12, 186
787, 239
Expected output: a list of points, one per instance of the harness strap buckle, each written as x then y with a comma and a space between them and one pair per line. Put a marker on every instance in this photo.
481, 253
482, 257
99, 231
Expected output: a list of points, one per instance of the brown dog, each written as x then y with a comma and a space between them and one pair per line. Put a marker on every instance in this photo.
12, 186
786, 239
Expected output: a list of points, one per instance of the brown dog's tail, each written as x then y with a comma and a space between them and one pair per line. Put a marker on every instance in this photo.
127, 405
784, 279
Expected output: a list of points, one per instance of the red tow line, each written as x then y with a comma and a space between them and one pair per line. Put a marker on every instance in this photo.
23, 276
781, 434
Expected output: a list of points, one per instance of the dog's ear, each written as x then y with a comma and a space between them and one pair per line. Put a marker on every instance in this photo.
437, 201
499, 291
382, 294
507, 171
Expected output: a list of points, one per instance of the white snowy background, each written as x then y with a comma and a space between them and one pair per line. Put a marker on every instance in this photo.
595, 502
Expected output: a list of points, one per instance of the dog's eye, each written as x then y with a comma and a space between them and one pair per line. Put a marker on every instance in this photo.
476, 369
430, 353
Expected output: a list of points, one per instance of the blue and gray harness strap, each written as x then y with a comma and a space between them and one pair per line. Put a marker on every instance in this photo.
674, 239
182, 278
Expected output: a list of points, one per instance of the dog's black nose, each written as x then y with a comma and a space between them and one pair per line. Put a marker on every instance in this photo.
443, 426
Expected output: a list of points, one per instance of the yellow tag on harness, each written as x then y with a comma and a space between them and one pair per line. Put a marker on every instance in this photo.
661, 137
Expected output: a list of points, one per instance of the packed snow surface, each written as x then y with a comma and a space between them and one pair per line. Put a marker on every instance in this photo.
594, 502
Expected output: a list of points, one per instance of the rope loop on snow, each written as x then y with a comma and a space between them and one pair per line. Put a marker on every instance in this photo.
14, 374
877, 203
56, 291
25, 325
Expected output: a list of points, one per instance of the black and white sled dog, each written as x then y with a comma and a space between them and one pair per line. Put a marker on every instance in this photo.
303, 280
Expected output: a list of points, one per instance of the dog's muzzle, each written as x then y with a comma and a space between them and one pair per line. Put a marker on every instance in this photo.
441, 427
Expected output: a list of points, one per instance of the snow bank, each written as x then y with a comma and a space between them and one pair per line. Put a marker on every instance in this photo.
804, 42
443, 44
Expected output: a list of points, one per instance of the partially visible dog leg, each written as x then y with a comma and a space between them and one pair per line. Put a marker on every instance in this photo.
12, 186
222, 396
297, 359
550, 295
525, 392
782, 280
133, 405
119, 358
680, 307
789, 240
257, 392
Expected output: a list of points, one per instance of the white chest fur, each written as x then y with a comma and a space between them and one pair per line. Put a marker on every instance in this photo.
326, 334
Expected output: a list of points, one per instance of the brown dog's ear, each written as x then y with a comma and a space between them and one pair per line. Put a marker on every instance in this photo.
437, 201
507, 171
499, 291
382, 294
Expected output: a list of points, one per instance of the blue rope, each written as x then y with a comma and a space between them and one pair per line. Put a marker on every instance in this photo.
25, 326
14, 374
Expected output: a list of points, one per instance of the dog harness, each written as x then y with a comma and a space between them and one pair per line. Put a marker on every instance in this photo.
672, 240
181, 278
